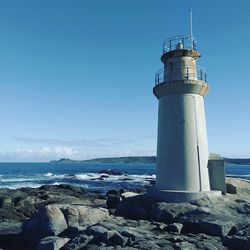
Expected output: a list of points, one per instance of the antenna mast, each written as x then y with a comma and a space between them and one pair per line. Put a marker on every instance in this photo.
191, 28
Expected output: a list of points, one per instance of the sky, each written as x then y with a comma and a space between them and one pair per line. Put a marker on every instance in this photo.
76, 77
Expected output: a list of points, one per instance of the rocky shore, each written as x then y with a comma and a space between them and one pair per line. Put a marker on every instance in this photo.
68, 217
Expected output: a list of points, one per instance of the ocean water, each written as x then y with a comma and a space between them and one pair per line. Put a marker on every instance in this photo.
89, 175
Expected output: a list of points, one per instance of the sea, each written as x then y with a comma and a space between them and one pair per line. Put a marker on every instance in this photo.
96, 177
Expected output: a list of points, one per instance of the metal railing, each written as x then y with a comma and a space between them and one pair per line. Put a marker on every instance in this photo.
183, 73
179, 42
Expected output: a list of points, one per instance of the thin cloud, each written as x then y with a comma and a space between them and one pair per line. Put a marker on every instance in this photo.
42, 154
102, 142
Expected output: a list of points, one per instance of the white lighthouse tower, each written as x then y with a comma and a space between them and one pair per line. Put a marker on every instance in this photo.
182, 148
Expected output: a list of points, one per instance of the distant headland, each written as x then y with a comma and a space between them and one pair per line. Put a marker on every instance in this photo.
139, 159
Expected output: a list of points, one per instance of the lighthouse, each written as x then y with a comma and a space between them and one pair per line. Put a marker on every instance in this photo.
182, 149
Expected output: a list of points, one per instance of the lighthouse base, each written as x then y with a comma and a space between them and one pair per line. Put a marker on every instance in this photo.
179, 196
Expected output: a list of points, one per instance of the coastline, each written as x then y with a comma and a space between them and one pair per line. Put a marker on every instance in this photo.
141, 160
70, 217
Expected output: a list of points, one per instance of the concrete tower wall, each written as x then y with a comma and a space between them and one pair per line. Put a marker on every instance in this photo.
179, 68
182, 151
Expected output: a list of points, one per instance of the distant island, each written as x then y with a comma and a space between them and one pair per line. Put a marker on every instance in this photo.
130, 159
138, 159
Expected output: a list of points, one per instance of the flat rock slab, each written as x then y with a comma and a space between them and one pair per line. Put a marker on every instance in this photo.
52, 243
237, 186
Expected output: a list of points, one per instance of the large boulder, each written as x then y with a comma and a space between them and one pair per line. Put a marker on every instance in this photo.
239, 240
103, 234
237, 186
113, 201
80, 217
49, 221
168, 212
136, 207
208, 221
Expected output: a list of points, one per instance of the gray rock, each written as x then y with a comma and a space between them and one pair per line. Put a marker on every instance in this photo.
112, 192
10, 227
207, 221
133, 233
125, 195
136, 207
78, 242
83, 216
49, 221
113, 201
97, 231
52, 243
240, 239
114, 238
237, 186
244, 208
237, 242
167, 212
5, 201
244, 231
184, 246
174, 227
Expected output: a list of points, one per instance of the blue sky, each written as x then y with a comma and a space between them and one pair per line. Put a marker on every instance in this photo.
76, 77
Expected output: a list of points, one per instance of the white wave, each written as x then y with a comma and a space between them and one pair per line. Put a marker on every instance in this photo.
49, 174
17, 179
238, 175
245, 175
21, 185
115, 178
87, 176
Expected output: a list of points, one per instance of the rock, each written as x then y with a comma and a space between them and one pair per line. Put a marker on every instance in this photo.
110, 172
75, 189
244, 208
83, 216
237, 242
167, 212
96, 231
244, 231
174, 227
126, 179
113, 237
136, 207
207, 221
49, 221
11, 227
133, 233
104, 176
121, 191
78, 242
128, 194
112, 192
5, 201
184, 246
52, 220
52, 243
237, 186
240, 238
113, 201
